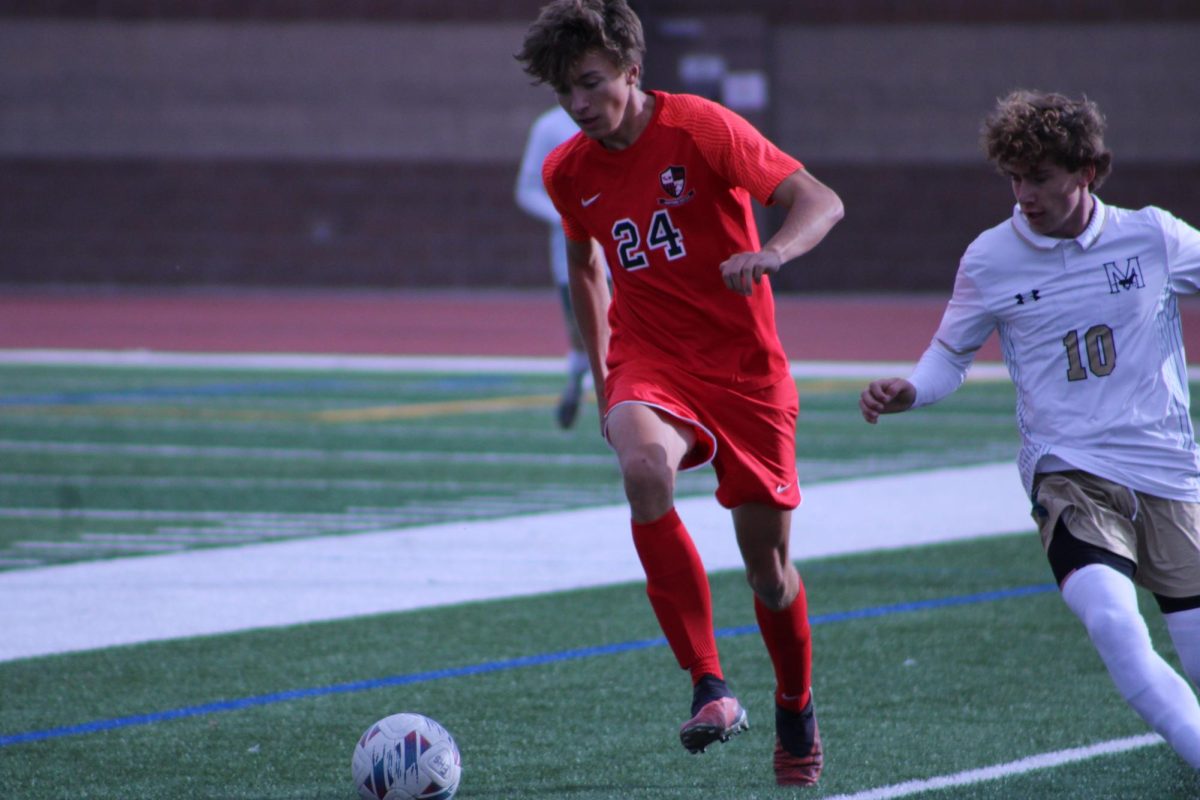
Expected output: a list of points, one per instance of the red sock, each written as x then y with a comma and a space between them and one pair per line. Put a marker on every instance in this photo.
789, 643
678, 589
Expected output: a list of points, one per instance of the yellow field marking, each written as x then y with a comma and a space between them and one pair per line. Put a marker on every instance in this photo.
369, 414
828, 385
147, 412
436, 409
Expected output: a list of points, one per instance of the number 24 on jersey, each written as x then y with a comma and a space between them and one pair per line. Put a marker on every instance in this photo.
661, 235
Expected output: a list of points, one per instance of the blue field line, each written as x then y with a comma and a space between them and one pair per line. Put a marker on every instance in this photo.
154, 393
471, 384
905, 608
497, 666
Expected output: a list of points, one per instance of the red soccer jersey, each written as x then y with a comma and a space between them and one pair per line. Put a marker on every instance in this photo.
668, 210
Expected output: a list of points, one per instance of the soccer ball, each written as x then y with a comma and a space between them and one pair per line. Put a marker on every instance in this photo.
406, 757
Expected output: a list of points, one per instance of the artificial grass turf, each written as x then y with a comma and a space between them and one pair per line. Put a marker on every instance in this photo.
901, 695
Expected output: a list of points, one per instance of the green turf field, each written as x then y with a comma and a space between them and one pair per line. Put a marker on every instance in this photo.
929, 661
96, 463
901, 695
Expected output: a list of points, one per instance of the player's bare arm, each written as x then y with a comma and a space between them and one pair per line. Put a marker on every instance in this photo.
813, 209
886, 396
588, 283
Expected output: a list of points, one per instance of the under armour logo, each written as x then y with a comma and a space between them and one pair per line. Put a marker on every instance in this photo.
1035, 295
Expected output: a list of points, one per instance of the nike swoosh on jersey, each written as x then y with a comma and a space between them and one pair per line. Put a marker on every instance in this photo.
587, 201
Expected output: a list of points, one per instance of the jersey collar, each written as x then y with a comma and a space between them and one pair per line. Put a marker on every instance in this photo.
1085, 240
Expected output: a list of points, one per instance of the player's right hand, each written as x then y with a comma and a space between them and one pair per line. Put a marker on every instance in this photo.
886, 396
742, 271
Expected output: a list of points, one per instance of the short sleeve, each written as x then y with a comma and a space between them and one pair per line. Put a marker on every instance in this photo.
572, 228
1182, 243
734, 147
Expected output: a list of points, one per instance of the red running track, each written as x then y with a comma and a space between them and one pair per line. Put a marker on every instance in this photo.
411, 323
483, 323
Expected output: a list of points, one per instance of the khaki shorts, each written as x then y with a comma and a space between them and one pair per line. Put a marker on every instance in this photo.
1162, 537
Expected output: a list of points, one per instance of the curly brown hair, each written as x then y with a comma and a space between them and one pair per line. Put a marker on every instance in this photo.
1027, 127
566, 30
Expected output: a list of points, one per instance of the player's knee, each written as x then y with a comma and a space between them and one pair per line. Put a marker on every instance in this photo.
1113, 627
644, 473
649, 484
771, 588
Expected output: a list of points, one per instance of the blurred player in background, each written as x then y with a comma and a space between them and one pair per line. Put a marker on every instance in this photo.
1083, 296
549, 130
686, 359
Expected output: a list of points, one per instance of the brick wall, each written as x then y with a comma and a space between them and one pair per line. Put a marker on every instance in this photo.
288, 223
167, 147
843, 12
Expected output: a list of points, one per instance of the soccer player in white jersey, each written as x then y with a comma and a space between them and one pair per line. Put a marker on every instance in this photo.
1084, 298
549, 130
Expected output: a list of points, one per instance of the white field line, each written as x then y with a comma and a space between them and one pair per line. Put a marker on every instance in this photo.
142, 546
300, 453
355, 363
550, 490
234, 526
164, 537
84, 606
264, 518
854, 467
449, 364
154, 359
472, 365
998, 771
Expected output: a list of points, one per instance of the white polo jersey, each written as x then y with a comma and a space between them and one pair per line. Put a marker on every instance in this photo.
1090, 332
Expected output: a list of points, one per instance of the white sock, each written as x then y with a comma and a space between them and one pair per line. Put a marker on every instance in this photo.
1184, 627
1106, 602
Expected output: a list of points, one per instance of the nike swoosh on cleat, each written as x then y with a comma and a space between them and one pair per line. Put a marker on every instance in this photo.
587, 201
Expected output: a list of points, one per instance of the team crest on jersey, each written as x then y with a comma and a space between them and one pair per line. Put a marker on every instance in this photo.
674, 181
1124, 279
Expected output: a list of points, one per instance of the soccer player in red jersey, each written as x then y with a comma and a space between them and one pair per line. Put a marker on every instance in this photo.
686, 359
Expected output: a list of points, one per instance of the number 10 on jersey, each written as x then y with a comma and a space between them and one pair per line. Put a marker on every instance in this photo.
1101, 353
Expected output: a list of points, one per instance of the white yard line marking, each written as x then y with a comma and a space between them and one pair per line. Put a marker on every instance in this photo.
263, 518
152, 359
282, 361
301, 454
1018, 767
543, 489
98, 604
447, 364
142, 546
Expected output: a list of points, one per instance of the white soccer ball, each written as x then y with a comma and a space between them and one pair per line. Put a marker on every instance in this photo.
406, 757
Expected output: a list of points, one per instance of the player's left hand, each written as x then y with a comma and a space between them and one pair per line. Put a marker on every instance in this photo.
742, 270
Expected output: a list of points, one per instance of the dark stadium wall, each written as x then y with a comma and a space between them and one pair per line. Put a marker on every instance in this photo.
376, 144
842, 12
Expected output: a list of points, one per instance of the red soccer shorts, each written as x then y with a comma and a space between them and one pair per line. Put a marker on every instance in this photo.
749, 436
